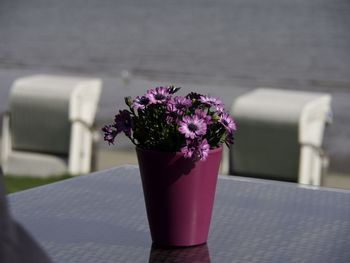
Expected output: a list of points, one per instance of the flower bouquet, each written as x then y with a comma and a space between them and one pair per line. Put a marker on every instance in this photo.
193, 124
178, 144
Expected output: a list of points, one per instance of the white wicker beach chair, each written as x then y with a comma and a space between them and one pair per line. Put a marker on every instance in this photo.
280, 134
48, 130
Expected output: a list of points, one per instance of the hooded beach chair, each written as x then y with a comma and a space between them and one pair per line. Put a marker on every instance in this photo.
48, 130
280, 135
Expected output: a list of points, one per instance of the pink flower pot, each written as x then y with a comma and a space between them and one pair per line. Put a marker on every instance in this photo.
179, 195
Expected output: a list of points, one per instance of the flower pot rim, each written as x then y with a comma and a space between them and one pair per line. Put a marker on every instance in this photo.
158, 151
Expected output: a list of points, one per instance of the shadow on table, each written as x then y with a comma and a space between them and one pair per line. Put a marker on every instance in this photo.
195, 254
16, 245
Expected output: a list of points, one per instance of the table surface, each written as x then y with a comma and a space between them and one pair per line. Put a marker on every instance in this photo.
101, 217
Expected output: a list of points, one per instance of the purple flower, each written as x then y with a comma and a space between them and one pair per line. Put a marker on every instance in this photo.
227, 122
212, 101
203, 150
193, 95
178, 105
229, 139
109, 134
192, 127
124, 122
158, 96
202, 115
219, 108
171, 117
196, 149
140, 103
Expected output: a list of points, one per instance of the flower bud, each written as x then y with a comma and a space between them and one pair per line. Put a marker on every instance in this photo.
173, 89
128, 101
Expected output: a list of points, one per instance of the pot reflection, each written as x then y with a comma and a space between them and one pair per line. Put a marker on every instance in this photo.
197, 254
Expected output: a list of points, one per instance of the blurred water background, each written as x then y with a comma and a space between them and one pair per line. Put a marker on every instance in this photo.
222, 47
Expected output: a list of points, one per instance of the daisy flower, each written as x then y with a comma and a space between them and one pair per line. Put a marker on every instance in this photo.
227, 122
140, 102
123, 122
178, 105
229, 139
192, 127
171, 117
202, 115
212, 101
194, 95
109, 134
196, 149
158, 96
